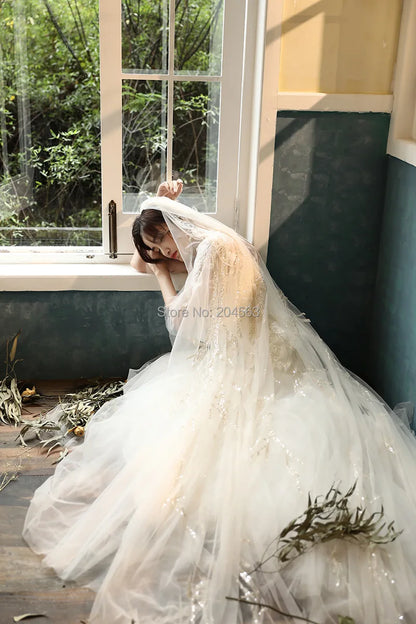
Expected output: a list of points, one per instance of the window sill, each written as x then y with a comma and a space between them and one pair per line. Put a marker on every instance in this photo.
56, 277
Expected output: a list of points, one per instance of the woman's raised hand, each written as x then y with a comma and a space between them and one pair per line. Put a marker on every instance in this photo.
172, 190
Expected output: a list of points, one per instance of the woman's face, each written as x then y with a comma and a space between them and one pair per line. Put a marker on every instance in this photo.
163, 243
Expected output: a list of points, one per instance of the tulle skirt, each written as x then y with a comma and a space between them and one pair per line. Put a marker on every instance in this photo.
182, 485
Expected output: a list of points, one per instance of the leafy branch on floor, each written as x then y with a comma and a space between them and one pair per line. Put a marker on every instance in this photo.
261, 605
7, 478
78, 407
28, 616
76, 410
327, 517
341, 618
10, 398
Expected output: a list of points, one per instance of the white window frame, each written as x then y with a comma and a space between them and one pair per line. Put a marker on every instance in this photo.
402, 134
247, 205
111, 114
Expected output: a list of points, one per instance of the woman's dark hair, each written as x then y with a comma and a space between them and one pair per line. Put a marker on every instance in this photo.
148, 222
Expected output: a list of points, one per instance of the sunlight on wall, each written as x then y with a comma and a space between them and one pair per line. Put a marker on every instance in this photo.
339, 46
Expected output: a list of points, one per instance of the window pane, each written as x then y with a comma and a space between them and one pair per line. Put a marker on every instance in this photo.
145, 36
198, 36
50, 182
144, 139
195, 142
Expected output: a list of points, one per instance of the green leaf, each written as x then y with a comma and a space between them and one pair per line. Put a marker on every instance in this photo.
27, 616
12, 353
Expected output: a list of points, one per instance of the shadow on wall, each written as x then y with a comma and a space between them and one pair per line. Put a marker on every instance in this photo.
330, 168
327, 203
394, 327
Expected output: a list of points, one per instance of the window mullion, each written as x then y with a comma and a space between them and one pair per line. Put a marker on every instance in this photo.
111, 111
222, 90
177, 77
171, 68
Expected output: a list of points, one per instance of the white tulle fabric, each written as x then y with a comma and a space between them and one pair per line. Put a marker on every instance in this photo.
182, 483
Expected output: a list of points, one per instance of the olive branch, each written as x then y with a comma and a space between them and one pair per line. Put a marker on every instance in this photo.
327, 517
77, 410
10, 398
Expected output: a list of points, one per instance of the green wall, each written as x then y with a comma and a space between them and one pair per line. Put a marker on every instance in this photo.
393, 345
77, 334
327, 203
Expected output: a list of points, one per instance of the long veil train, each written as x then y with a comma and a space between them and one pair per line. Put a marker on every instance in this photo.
182, 484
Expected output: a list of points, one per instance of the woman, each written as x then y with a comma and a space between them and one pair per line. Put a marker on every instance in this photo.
172, 504
171, 190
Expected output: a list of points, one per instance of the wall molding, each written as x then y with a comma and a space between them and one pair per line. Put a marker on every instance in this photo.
337, 102
402, 137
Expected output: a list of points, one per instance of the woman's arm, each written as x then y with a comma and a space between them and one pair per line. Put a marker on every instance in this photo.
138, 263
161, 270
162, 274
174, 266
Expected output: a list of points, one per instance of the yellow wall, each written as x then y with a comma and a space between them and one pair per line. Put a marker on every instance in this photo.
339, 46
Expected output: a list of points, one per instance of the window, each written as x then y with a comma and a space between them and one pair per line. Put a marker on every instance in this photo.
173, 77
182, 94
50, 190
402, 135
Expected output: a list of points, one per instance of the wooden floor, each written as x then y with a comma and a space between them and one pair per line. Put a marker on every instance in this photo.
26, 586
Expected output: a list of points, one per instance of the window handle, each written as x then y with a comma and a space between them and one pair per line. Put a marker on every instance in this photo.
112, 228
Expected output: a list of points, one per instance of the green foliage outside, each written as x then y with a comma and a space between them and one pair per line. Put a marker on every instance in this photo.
49, 85
198, 33
56, 81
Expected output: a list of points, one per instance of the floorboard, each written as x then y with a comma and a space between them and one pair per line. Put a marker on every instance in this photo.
25, 585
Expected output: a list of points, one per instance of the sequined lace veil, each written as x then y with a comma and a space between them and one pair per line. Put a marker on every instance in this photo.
182, 484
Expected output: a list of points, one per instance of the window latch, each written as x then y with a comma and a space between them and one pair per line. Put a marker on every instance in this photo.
112, 228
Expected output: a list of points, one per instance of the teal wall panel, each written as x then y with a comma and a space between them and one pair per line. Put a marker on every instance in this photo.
82, 334
327, 203
393, 346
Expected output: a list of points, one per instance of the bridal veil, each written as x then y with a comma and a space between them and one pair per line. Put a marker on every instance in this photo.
182, 485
